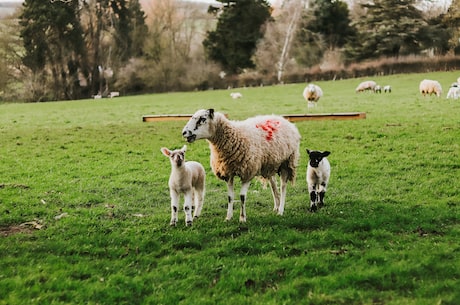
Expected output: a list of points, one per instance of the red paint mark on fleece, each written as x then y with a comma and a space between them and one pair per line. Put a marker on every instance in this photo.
270, 126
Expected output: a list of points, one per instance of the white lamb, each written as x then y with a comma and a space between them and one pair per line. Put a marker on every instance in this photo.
236, 95
387, 88
259, 146
428, 86
312, 93
454, 93
366, 86
186, 178
378, 89
318, 173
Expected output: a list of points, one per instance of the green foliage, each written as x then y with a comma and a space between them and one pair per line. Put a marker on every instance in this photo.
239, 27
388, 234
452, 21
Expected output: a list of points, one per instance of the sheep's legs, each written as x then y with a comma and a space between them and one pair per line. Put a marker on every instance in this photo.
174, 207
322, 193
198, 200
188, 208
275, 193
283, 187
243, 194
231, 195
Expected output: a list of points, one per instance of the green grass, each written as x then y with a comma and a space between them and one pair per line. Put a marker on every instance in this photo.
389, 234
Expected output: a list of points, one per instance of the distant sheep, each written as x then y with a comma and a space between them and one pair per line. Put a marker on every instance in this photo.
318, 173
430, 87
259, 146
454, 93
366, 86
378, 89
387, 89
236, 95
312, 93
188, 178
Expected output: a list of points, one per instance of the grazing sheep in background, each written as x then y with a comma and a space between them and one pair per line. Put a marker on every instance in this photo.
318, 173
236, 95
454, 93
312, 93
428, 86
259, 146
366, 86
188, 178
378, 89
387, 88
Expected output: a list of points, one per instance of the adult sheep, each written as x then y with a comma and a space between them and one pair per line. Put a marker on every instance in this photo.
312, 93
428, 86
259, 146
366, 86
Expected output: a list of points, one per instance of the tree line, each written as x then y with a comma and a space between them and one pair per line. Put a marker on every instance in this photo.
73, 49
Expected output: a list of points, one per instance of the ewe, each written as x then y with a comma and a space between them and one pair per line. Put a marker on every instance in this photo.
428, 86
186, 178
366, 86
318, 173
259, 146
312, 93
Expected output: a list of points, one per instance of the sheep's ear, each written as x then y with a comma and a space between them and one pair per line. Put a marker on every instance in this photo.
165, 151
184, 148
211, 113
308, 151
326, 153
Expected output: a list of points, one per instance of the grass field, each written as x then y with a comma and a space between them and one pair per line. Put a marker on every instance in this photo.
84, 204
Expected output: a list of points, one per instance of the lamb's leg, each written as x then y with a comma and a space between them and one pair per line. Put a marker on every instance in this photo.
188, 199
243, 194
231, 195
275, 193
199, 199
283, 187
313, 197
322, 193
174, 206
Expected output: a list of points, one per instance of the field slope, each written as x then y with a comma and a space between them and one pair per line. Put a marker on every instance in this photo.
84, 204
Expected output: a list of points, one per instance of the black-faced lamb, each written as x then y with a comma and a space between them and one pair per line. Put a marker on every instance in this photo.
378, 89
318, 173
312, 93
428, 86
188, 178
387, 89
259, 146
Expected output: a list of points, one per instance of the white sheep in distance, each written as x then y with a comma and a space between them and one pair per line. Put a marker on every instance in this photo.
236, 95
312, 93
454, 93
368, 85
318, 173
378, 89
428, 86
188, 178
259, 146
387, 88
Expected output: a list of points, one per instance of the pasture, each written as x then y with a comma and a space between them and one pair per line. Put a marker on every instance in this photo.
85, 207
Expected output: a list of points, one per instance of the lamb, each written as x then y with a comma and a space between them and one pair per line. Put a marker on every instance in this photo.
378, 89
454, 93
312, 93
318, 173
366, 86
188, 178
428, 86
387, 88
236, 95
259, 146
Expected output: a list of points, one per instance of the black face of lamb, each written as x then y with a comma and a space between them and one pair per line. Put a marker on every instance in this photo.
316, 157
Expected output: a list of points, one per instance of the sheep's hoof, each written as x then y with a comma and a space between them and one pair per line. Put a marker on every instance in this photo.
189, 223
313, 208
172, 223
321, 205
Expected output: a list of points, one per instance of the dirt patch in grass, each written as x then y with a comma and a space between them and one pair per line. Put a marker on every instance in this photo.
27, 228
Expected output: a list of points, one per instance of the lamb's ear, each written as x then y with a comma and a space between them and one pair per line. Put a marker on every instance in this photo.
184, 148
326, 153
165, 151
211, 113
308, 151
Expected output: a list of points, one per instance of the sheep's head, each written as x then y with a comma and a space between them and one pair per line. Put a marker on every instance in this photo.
177, 156
316, 157
198, 126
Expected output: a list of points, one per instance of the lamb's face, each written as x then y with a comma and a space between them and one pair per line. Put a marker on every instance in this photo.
316, 157
177, 156
198, 126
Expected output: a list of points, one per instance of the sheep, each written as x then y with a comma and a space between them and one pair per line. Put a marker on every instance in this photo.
236, 95
378, 89
454, 92
259, 146
387, 88
312, 93
428, 86
366, 86
188, 178
318, 173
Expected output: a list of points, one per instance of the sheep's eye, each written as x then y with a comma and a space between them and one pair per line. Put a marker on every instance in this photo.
201, 120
